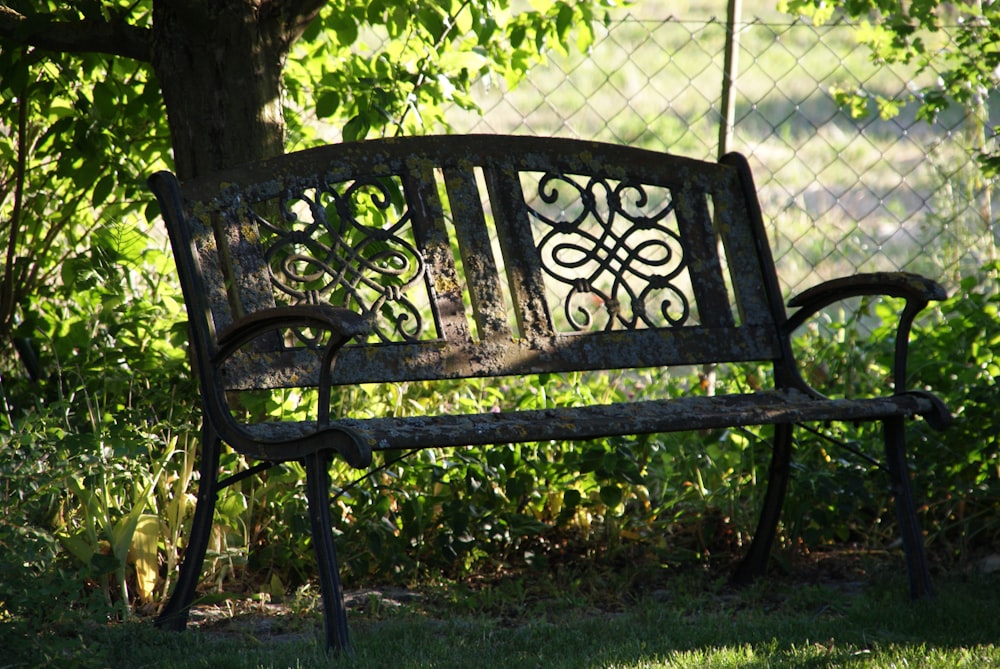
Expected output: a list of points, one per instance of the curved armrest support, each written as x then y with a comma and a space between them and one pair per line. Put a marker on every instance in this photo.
343, 324
915, 289
911, 287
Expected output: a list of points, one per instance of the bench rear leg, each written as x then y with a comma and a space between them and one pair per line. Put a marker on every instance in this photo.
174, 615
754, 564
906, 511
318, 494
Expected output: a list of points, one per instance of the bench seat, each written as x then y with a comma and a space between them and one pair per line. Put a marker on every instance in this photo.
784, 406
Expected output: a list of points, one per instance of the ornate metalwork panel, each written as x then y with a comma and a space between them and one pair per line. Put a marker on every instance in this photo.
349, 244
611, 252
470, 257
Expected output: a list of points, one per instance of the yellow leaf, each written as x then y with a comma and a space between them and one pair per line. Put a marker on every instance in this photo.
277, 589
144, 556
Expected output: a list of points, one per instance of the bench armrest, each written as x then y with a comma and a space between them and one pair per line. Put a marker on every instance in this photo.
916, 290
343, 324
911, 287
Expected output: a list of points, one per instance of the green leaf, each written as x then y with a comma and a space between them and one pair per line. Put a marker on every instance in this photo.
356, 129
463, 20
611, 495
517, 36
433, 21
78, 546
345, 27
888, 109
327, 104
104, 563
522, 526
471, 60
563, 21
102, 190
106, 101
584, 38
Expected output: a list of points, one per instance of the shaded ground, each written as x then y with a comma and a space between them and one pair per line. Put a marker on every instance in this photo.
819, 578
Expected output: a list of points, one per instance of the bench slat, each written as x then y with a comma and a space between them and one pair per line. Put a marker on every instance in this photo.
481, 272
444, 286
524, 273
631, 418
707, 281
428, 361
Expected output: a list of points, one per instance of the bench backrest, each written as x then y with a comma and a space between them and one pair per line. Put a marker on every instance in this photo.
486, 255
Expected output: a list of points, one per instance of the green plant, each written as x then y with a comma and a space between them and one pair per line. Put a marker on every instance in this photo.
108, 425
959, 469
86, 295
106, 543
897, 32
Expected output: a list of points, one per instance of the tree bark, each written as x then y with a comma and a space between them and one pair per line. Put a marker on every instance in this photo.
219, 66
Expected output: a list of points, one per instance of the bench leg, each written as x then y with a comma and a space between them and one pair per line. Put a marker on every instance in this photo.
174, 615
318, 494
906, 511
754, 564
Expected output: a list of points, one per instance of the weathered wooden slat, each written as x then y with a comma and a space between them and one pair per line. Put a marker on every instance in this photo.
482, 277
440, 360
707, 281
444, 286
631, 418
522, 268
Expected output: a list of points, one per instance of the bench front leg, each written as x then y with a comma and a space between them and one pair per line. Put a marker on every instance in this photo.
318, 494
906, 510
174, 615
754, 563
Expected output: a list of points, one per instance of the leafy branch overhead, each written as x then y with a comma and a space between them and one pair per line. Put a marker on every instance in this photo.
432, 53
94, 95
968, 65
60, 31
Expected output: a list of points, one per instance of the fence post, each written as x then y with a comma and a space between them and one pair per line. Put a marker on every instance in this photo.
727, 121
734, 14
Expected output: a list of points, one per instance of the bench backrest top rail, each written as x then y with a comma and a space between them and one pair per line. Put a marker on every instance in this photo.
485, 255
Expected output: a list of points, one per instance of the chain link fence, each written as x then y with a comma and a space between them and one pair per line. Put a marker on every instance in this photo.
841, 194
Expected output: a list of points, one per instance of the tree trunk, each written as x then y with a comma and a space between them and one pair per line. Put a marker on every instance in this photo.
219, 66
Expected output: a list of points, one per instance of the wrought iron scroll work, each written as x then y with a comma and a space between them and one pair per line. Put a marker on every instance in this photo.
610, 244
348, 244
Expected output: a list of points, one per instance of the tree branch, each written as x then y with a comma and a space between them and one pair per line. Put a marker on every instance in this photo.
296, 14
42, 31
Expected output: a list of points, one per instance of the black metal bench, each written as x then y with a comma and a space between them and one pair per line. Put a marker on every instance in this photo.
451, 257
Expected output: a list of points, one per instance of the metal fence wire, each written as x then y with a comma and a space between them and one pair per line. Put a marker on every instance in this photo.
841, 193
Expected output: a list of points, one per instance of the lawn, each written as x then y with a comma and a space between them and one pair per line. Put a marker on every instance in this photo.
832, 613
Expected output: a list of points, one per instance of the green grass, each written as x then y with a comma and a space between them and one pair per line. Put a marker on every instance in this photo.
838, 618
